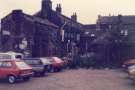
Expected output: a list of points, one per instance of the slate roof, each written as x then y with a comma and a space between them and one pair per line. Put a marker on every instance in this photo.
67, 19
114, 19
63, 19
32, 19
39, 20
90, 26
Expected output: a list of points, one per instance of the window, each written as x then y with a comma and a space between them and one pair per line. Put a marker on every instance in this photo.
33, 62
86, 33
5, 64
92, 35
78, 37
72, 35
0, 64
66, 35
5, 32
18, 56
4, 56
22, 65
124, 32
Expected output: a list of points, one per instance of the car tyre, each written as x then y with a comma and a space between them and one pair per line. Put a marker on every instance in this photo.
42, 73
11, 79
59, 69
52, 69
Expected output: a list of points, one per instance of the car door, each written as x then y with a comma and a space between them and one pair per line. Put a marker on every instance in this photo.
6, 68
1, 70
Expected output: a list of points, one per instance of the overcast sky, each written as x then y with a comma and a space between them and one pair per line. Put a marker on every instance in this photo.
87, 10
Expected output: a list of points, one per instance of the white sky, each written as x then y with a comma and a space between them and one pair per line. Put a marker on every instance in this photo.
87, 10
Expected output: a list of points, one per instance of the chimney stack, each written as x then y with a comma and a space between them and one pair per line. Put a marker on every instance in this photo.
58, 8
74, 17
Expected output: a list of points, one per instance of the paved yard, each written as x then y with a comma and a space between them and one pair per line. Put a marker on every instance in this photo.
80, 79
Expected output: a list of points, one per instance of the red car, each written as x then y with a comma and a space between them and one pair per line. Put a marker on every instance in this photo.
14, 69
56, 64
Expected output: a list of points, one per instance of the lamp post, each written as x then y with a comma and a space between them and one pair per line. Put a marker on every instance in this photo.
62, 31
68, 45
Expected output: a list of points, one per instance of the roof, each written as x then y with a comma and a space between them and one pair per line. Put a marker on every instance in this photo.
114, 19
63, 19
90, 26
30, 18
39, 20
67, 19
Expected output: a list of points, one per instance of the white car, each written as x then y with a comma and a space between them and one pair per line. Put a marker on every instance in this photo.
131, 71
10, 56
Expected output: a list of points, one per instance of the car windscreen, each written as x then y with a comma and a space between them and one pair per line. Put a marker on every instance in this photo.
56, 59
131, 67
46, 60
22, 65
18, 56
33, 62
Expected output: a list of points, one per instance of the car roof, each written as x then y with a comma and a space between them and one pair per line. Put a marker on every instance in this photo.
31, 58
7, 60
130, 61
11, 53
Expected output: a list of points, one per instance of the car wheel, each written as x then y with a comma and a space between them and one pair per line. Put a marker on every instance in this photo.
42, 73
26, 78
11, 79
48, 68
59, 69
52, 69
35, 74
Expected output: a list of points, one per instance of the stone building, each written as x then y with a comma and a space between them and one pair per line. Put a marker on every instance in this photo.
21, 31
122, 29
46, 33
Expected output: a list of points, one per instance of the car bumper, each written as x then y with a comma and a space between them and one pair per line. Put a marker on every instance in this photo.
25, 75
38, 69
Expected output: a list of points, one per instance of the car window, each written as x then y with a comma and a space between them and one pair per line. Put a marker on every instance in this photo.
51, 60
22, 65
33, 62
4, 56
45, 60
0, 64
57, 59
131, 67
18, 56
5, 64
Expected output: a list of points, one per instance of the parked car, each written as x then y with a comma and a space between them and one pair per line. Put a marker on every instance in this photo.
47, 63
128, 63
10, 56
37, 66
131, 71
57, 64
14, 69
